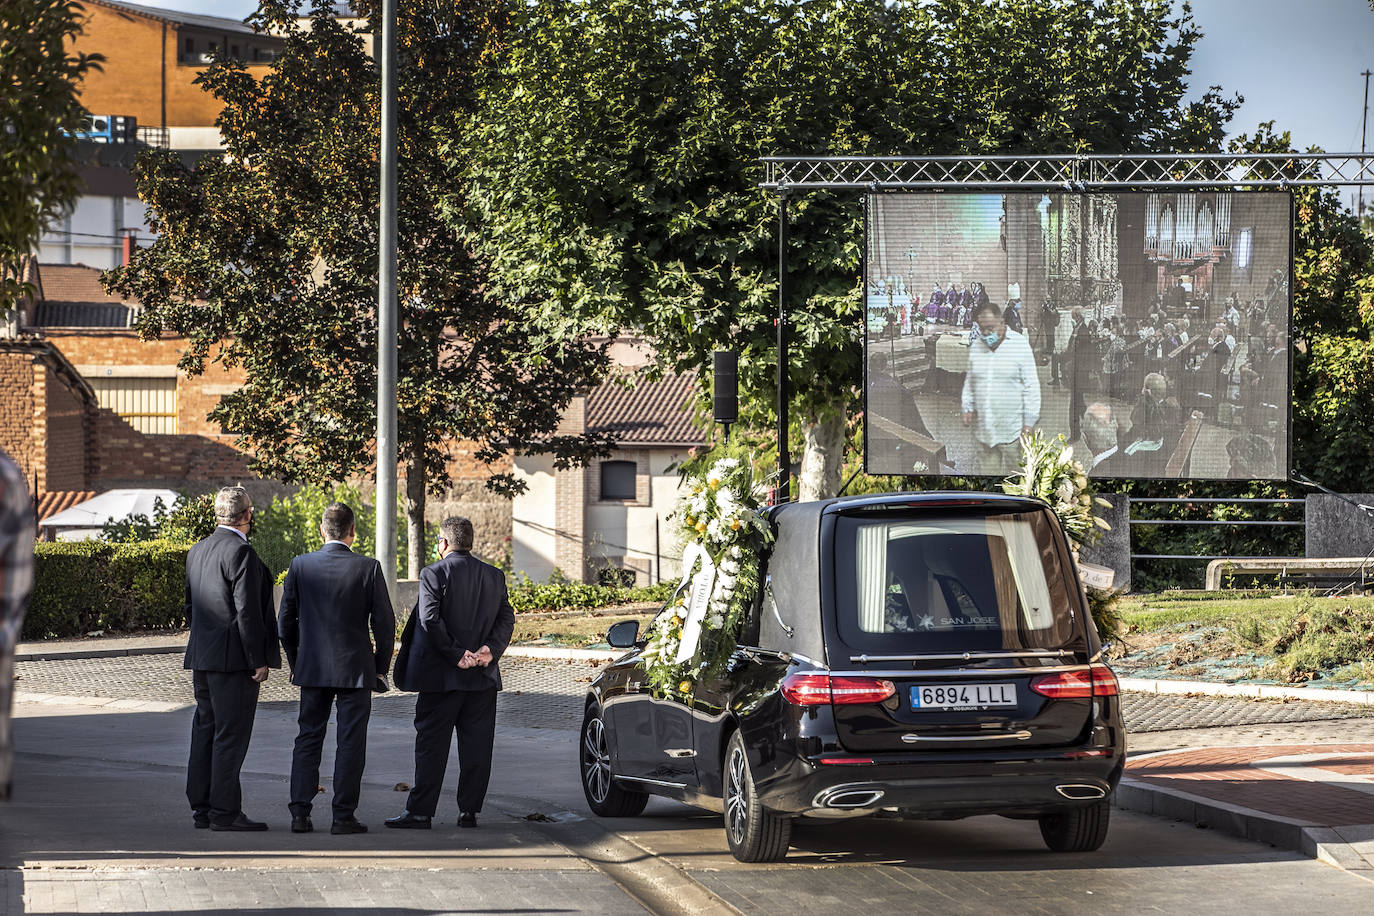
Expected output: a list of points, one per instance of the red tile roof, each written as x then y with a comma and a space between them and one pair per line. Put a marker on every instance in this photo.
650, 413
74, 283
55, 501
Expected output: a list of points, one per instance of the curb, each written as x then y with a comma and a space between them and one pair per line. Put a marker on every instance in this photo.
1328, 844
1253, 691
40, 655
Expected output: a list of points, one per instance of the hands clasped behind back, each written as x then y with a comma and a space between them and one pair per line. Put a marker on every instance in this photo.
479, 659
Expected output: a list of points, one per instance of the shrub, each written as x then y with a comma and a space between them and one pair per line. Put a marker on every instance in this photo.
68, 588
189, 519
84, 586
147, 583
290, 526
578, 596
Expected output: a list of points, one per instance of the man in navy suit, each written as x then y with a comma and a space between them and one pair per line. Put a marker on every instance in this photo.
232, 644
465, 623
337, 627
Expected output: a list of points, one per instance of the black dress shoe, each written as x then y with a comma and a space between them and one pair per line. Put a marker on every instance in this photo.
467, 819
301, 823
202, 821
239, 823
347, 825
408, 821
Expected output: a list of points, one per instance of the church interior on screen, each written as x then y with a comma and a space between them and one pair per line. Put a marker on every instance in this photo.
1150, 329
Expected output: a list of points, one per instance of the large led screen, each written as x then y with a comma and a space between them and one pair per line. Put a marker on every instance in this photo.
1148, 329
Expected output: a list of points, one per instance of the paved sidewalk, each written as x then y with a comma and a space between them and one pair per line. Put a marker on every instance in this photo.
1314, 798
1295, 773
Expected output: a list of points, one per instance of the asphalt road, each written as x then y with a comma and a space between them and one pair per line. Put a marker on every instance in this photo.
100, 825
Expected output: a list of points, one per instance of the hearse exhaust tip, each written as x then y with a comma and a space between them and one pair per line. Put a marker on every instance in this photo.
854, 798
1081, 792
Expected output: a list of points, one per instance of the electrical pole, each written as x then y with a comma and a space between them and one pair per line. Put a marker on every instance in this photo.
1364, 120
386, 310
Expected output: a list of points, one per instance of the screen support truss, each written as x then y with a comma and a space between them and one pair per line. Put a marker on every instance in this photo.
788, 175
1067, 172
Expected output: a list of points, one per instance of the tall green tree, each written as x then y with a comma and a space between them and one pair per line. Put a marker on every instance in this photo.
266, 258
39, 112
613, 173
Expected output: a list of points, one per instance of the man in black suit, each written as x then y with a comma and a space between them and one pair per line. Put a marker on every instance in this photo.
233, 643
331, 601
465, 623
1078, 356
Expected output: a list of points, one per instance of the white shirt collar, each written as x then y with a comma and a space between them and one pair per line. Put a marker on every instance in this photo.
1098, 459
236, 531
335, 541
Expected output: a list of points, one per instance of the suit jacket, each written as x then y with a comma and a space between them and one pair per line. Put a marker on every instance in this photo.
463, 606
229, 605
331, 601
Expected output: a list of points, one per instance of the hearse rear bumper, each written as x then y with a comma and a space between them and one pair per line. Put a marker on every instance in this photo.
951, 787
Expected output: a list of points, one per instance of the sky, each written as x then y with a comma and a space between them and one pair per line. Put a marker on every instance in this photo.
1296, 62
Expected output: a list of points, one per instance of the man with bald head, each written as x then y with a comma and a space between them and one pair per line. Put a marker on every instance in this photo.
1100, 437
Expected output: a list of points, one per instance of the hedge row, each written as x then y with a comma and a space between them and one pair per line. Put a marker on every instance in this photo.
577, 596
83, 586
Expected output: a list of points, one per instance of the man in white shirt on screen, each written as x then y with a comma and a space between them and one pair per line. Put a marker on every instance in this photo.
1001, 398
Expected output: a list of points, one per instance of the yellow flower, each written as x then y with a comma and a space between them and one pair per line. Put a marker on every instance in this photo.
691, 521
701, 527
685, 686
713, 483
734, 524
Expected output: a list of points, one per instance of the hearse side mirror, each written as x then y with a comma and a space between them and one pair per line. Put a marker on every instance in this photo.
623, 635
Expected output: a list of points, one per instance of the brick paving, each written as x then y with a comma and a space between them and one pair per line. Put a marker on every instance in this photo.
538, 693
544, 693
1303, 791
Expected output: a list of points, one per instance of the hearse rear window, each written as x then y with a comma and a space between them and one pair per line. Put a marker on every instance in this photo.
951, 584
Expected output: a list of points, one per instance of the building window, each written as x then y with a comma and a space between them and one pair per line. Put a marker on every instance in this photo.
1244, 243
190, 47
149, 405
617, 480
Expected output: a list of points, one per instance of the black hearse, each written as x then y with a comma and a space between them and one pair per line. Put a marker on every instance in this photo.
917, 655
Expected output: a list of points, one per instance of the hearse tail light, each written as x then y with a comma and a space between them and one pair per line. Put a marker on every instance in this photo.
845, 761
1097, 681
820, 689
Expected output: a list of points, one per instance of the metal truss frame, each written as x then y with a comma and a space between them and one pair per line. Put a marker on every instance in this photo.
789, 175
1067, 172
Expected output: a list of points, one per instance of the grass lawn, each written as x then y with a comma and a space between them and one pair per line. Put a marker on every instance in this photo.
573, 631
1260, 637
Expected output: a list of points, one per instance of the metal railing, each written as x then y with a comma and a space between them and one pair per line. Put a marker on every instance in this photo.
1214, 522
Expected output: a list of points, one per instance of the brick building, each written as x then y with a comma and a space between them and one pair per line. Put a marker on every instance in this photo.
86, 405
152, 59
144, 94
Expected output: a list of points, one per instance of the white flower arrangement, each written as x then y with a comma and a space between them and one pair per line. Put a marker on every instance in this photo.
1049, 472
721, 514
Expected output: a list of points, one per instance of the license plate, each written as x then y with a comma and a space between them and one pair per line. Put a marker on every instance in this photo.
962, 696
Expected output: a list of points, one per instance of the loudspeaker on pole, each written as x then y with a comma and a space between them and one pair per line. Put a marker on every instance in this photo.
725, 386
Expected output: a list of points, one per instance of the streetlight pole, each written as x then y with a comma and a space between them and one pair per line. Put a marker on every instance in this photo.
386, 309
